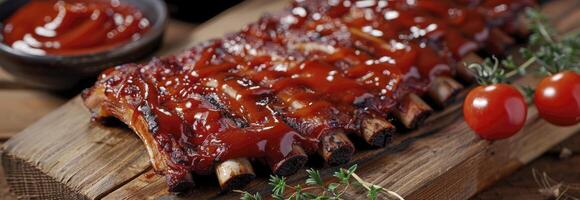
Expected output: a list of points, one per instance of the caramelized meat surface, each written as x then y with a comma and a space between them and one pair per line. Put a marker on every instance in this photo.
295, 82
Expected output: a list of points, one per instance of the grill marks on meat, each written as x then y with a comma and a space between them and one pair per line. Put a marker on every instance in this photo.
297, 82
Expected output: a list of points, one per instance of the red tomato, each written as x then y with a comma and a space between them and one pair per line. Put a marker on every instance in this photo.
557, 98
496, 111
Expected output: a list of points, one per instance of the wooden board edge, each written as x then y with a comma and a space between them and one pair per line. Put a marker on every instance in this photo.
21, 174
14, 160
477, 172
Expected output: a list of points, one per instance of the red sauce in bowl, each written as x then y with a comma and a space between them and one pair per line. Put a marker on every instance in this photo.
73, 27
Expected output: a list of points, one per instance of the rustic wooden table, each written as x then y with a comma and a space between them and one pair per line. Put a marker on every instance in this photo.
21, 106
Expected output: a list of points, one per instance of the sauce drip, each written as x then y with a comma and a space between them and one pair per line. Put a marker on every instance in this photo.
73, 27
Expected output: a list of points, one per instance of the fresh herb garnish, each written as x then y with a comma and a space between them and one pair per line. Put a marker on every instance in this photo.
315, 188
553, 55
550, 54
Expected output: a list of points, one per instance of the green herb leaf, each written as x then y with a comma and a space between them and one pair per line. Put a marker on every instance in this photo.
342, 176
373, 192
317, 189
542, 31
279, 184
332, 188
553, 56
528, 92
488, 72
352, 169
278, 197
322, 198
314, 178
248, 196
307, 195
298, 195
509, 63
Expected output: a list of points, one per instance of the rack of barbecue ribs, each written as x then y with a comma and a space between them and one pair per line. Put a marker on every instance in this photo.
298, 82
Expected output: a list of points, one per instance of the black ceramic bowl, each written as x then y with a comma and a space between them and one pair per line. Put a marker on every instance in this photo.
64, 72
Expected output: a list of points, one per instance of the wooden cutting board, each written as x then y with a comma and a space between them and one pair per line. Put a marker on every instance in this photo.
65, 155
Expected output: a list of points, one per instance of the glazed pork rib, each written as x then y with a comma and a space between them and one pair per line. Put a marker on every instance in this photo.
124, 93
296, 83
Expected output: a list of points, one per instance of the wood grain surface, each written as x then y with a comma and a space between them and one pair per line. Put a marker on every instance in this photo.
444, 159
560, 165
21, 107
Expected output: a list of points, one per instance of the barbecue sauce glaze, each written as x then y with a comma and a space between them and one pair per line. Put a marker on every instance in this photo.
293, 76
73, 27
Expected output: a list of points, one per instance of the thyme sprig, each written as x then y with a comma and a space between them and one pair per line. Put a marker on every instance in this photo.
545, 50
490, 72
315, 187
552, 54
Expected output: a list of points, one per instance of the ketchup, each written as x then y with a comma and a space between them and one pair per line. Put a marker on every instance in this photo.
73, 27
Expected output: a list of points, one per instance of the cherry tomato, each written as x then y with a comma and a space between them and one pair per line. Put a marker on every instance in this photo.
496, 111
557, 98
